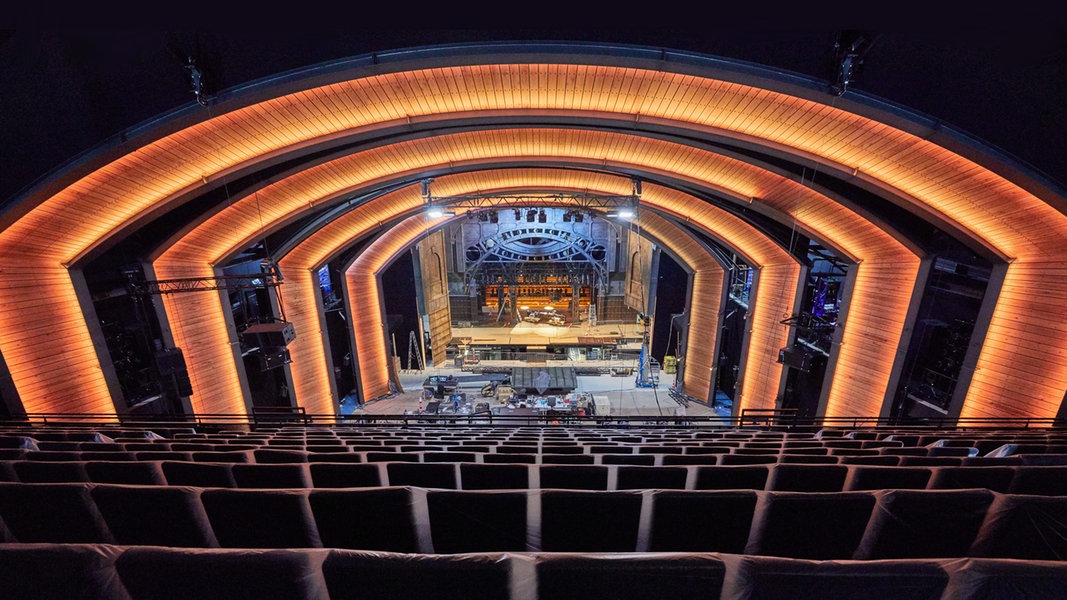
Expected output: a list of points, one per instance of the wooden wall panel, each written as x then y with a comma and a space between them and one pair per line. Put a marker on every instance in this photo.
705, 301
363, 277
434, 276
368, 332
312, 378
872, 336
38, 315
771, 301
198, 324
1026, 346
700, 356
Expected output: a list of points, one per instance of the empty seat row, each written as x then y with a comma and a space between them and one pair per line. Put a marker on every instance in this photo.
556, 454
1048, 480
112, 572
873, 525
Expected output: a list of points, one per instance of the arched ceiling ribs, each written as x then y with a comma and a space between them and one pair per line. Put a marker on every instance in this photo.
628, 103
309, 155
701, 161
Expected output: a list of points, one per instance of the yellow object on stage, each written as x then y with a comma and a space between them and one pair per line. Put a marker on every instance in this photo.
670, 364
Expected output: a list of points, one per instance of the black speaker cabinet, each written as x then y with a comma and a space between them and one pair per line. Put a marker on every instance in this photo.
269, 335
798, 359
170, 361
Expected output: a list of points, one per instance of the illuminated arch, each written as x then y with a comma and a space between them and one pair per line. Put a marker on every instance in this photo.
59, 223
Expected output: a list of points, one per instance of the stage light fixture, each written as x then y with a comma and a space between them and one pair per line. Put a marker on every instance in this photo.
531, 215
437, 211
541, 216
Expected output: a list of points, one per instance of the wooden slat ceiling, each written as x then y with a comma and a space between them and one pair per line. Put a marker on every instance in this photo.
60, 228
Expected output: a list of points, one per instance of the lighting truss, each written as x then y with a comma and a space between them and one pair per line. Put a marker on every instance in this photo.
198, 284
526, 200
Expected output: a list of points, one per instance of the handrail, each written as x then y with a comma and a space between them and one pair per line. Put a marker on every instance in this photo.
771, 418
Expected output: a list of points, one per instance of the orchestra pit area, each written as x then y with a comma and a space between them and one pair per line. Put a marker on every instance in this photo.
453, 510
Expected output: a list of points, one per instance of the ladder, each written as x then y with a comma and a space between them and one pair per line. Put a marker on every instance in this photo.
414, 352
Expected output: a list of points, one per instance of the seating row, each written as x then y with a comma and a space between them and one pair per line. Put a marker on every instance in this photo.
112, 572
867, 525
659, 455
1046, 480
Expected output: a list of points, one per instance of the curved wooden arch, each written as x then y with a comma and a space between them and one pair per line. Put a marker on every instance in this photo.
55, 231
310, 372
883, 288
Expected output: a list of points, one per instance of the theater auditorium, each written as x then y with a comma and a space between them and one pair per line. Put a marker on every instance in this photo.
533, 315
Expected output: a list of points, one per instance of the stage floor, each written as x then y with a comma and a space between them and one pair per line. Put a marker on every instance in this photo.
622, 393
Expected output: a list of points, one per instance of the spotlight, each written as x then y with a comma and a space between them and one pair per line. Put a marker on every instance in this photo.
483, 217
567, 217
437, 211
542, 217
578, 217
626, 213
493, 217
518, 214
531, 215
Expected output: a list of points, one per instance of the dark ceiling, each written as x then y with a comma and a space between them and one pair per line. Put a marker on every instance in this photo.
65, 92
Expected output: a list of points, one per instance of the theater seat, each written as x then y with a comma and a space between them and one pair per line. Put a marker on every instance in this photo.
760, 577
52, 513
218, 475
574, 477
924, 523
985, 579
170, 574
723, 525
426, 475
343, 475
351, 575
478, 476
640, 478
997, 479
155, 516
634, 577
367, 519
31, 571
266, 476
140, 473
872, 477
1024, 527
807, 478
261, 518
821, 526
486, 521
32, 471
586, 521
739, 477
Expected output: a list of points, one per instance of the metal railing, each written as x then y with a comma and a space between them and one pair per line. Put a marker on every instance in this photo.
749, 418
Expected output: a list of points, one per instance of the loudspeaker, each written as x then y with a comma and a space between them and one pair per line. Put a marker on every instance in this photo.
170, 361
269, 335
270, 359
798, 359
